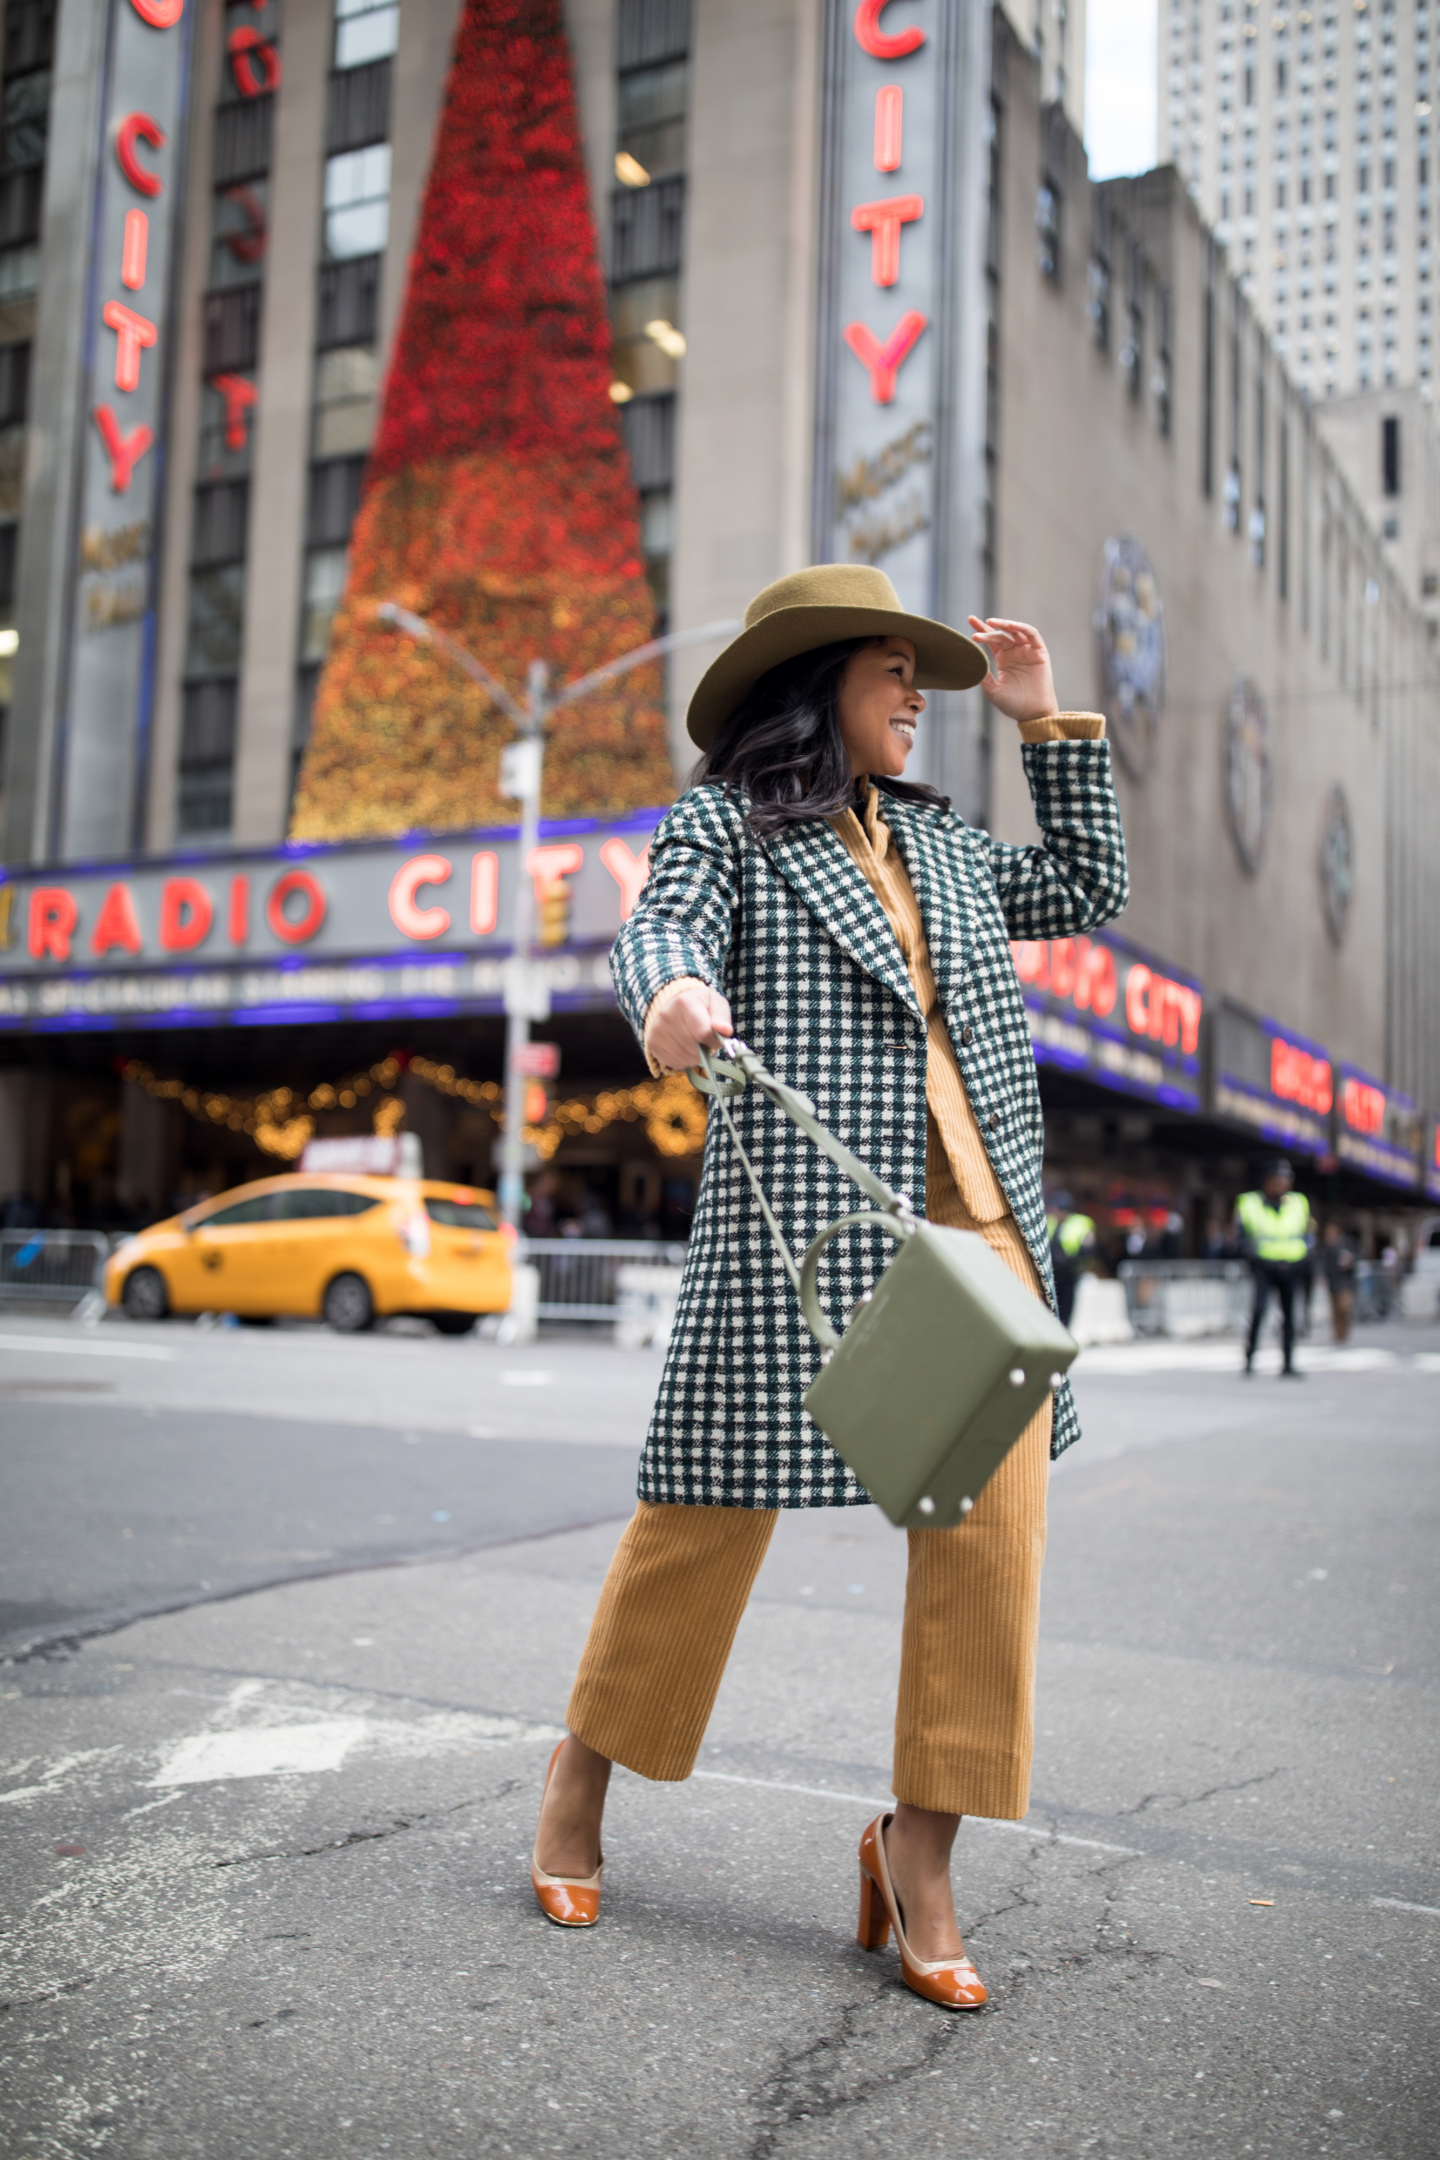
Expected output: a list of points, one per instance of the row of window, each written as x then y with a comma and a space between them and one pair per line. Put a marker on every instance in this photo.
647, 215
25, 76
355, 213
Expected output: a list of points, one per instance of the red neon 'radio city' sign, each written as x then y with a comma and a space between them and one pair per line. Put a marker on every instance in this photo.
1299, 1076
1085, 974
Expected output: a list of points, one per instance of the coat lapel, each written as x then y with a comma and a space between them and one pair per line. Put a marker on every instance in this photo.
814, 864
939, 873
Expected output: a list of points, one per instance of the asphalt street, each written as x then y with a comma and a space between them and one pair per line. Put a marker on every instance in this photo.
264, 1856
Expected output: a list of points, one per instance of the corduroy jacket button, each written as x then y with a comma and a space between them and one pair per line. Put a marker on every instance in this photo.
967, 1035
993, 1121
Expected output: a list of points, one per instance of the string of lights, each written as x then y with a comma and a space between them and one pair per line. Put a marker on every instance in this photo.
281, 1120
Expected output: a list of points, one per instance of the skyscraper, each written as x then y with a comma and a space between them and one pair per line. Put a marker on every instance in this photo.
1304, 133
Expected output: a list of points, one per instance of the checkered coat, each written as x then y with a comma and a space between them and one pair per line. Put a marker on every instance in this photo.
791, 933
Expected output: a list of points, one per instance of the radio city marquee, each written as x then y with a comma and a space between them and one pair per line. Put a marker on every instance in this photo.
1099, 1006
418, 925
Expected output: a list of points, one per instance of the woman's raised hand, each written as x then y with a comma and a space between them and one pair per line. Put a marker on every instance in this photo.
693, 1021
1020, 683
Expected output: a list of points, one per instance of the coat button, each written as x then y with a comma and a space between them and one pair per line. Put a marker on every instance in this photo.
967, 1035
993, 1121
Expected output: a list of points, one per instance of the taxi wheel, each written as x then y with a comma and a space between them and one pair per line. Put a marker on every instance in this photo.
453, 1323
349, 1307
145, 1296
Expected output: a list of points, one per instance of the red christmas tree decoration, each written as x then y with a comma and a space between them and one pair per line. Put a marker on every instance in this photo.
499, 500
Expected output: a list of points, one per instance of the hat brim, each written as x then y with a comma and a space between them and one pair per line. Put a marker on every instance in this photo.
945, 659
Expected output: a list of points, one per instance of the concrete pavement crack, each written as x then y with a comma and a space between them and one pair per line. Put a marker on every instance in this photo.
795, 2090
50, 1995
1188, 1800
369, 1837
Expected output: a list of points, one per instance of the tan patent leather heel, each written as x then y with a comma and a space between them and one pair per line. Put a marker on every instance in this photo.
568, 1900
951, 1982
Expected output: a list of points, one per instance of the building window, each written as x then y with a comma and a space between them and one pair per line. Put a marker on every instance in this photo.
365, 30
1390, 454
346, 384
357, 202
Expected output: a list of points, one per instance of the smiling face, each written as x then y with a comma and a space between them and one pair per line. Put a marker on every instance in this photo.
879, 707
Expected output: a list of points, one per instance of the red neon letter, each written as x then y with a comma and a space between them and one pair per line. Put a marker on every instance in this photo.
116, 924
882, 220
889, 127
629, 872
133, 336
1190, 1003
254, 62
883, 361
239, 396
413, 921
239, 924
1064, 963
186, 913
484, 891
53, 916
288, 932
549, 865
1032, 961
247, 246
125, 450
139, 127
1137, 999
880, 44
160, 14
132, 255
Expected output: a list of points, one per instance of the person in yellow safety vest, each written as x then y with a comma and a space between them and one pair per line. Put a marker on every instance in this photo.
1274, 1224
1072, 1243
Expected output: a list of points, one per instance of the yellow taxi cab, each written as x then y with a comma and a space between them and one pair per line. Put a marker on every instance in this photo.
349, 1250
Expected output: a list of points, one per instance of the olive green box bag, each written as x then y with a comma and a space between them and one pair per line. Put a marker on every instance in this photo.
942, 1365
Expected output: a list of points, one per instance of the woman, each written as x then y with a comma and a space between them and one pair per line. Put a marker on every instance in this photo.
853, 931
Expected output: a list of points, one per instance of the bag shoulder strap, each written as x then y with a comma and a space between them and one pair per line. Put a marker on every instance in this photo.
748, 1070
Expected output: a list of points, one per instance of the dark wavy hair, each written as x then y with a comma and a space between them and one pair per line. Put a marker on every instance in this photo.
781, 746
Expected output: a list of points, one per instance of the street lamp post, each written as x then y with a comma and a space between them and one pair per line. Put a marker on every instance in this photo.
527, 993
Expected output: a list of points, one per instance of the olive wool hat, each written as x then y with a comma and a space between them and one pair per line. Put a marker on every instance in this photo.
820, 607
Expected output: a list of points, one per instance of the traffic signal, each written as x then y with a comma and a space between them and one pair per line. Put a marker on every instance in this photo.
537, 1103
555, 912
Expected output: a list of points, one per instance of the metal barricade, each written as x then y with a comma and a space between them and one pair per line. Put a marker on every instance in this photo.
1185, 1299
579, 1277
51, 1265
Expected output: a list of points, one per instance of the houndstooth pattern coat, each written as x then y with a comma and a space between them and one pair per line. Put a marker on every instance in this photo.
790, 932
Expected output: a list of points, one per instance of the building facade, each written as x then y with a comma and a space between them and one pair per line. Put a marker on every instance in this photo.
866, 303
1306, 135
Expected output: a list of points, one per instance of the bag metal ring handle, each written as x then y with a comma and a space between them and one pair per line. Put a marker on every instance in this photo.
897, 1226
707, 1079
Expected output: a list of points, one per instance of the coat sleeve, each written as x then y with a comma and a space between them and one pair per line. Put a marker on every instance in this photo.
1077, 876
684, 918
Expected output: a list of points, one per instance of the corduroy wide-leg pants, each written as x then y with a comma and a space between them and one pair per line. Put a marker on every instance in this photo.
965, 1719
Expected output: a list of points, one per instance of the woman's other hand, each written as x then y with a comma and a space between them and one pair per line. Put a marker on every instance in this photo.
693, 1021
1020, 683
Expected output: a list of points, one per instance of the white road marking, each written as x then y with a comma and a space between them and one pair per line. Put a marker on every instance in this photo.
260, 1751
868, 1800
1399, 1904
152, 1351
1141, 1359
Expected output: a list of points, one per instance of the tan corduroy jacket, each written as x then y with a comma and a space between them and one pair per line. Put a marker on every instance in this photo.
957, 1166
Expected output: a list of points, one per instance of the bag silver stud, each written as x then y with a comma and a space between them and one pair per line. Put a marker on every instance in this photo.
966, 1506
1017, 1376
927, 1505
1056, 1380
